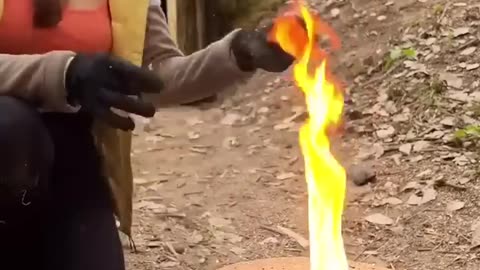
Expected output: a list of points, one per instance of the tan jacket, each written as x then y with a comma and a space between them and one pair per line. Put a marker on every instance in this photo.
40, 78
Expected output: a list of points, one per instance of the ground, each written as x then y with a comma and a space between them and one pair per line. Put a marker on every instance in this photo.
224, 184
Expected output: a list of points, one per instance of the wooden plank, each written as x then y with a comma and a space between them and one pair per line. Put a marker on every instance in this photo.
172, 15
186, 26
200, 19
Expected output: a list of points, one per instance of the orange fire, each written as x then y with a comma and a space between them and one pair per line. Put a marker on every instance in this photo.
326, 178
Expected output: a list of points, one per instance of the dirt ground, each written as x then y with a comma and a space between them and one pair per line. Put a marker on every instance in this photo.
225, 183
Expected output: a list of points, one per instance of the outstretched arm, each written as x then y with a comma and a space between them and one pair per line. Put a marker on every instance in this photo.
188, 78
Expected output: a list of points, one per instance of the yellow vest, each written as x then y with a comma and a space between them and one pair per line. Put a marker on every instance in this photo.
129, 19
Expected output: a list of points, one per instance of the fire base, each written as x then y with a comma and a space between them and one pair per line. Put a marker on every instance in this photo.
294, 263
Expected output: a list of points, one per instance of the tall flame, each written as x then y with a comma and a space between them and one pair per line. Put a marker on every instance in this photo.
326, 178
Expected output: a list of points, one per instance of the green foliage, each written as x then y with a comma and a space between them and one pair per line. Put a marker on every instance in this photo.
399, 54
469, 132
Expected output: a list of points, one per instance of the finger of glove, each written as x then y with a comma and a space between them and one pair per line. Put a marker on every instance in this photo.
136, 80
270, 57
114, 120
126, 103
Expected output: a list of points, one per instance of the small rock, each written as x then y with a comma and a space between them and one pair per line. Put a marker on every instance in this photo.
334, 12
386, 133
361, 174
269, 240
381, 18
231, 142
231, 119
263, 110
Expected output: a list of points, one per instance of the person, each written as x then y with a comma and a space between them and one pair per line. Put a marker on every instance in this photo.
71, 73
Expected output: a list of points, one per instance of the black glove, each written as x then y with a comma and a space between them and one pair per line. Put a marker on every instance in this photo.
101, 82
253, 50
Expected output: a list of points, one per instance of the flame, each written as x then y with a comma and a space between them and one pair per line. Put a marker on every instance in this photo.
326, 178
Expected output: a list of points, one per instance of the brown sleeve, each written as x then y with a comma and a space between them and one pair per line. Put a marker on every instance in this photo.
36, 78
187, 78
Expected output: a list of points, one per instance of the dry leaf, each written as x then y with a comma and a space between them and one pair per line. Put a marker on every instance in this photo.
420, 146
392, 201
411, 186
476, 234
386, 133
427, 195
448, 121
285, 176
455, 206
457, 32
453, 80
406, 148
468, 51
238, 250
219, 222
379, 219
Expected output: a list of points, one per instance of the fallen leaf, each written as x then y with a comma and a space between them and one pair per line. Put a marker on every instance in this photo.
154, 244
195, 238
302, 241
420, 146
427, 195
448, 121
461, 31
219, 222
438, 134
468, 51
411, 186
392, 201
406, 148
238, 250
472, 66
269, 240
168, 265
379, 219
455, 206
414, 200
475, 234
453, 80
285, 176
386, 133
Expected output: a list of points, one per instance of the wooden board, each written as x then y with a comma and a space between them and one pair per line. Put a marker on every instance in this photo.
172, 12
186, 19
293, 263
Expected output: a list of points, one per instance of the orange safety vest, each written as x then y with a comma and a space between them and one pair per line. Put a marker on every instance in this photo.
129, 19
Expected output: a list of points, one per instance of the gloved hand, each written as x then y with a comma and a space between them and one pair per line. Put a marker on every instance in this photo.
253, 50
100, 82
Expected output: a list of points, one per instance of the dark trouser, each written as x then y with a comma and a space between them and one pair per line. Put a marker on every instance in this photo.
55, 207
